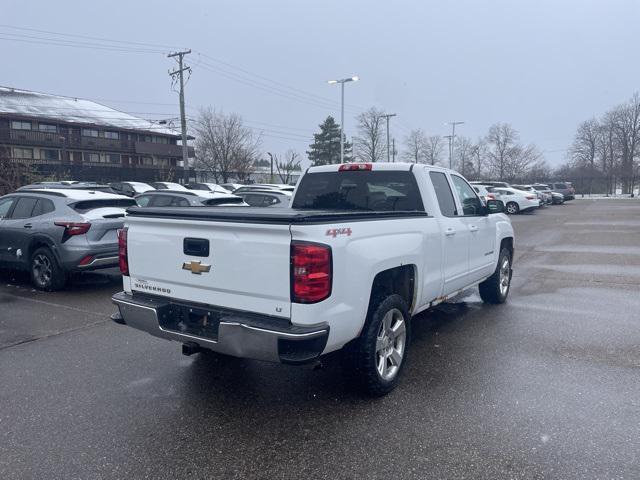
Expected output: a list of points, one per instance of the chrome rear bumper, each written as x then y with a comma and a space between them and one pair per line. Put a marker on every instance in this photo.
239, 334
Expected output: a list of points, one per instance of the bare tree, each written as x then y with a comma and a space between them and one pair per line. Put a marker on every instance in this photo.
370, 143
625, 123
434, 147
416, 145
463, 158
478, 154
288, 166
507, 158
224, 146
584, 149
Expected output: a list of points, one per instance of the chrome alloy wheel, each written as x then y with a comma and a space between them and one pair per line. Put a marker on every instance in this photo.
390, 344
505, 275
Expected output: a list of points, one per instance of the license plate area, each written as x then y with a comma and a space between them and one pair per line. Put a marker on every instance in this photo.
189, 320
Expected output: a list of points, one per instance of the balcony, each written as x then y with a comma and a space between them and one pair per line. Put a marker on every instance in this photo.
162, 149
31, 137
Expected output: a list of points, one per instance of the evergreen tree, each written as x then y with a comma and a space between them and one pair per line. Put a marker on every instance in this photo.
325, 148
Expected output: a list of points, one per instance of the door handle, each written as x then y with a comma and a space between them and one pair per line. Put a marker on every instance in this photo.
450, 232
27, 225
473, 228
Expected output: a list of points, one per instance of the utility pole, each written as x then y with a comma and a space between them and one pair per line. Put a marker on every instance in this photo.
450, 138
387, 117
183, 120
453, 137
394, 150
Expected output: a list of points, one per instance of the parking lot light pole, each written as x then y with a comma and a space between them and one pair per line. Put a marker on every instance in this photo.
342, 82
453, 137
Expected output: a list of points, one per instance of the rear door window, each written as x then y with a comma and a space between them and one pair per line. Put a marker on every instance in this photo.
24, 207
161, 201
359, 190
443, 193
43, 207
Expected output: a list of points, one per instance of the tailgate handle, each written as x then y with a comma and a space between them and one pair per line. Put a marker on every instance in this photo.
196, 247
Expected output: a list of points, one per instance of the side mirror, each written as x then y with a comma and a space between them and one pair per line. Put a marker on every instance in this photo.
495, 206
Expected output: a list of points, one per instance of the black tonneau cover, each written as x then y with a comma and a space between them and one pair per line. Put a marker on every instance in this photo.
284, 216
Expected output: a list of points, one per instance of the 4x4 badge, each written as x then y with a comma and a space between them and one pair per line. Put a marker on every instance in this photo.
196, 267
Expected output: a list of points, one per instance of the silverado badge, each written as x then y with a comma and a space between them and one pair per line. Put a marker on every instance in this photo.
196, 267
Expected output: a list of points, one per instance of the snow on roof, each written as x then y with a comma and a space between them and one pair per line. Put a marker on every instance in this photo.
72, 110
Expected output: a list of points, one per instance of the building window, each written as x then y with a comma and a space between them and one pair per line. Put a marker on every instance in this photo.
113, 158
146, 138
23, 153
47, 127
20, 125
162, 140
112, 135
162, 162
91, 157
89, 132
147, 160
49, 155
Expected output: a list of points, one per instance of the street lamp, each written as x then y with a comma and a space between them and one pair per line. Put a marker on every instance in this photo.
342, 82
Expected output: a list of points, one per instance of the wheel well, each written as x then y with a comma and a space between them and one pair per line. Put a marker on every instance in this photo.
399, 280
35, 244
508, 244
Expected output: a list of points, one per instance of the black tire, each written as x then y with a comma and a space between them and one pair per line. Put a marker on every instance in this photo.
512, 208
493, 289
46, 272
364, 358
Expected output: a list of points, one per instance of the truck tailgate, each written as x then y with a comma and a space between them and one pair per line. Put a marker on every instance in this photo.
249, 263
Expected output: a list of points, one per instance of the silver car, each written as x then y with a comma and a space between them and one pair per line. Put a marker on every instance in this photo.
52, 232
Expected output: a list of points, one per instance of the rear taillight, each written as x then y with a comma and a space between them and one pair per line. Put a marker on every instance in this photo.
123, 258
74, 228
531, 197
355, 167
491, 196
311, 272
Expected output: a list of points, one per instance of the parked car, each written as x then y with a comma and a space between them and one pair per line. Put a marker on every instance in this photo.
545, 198
265, 186
363, 249
168, 186
556, 198
179, 198
484, 194
563, 188
130, 189
209, 187
279, 186
52, 232
516, 201
232, 187
266, 198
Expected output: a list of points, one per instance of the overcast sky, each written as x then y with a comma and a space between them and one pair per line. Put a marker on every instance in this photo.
542, 66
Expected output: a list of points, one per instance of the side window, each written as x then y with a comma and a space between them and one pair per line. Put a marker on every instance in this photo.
253, 200
443, 192
43, 207
269, 200
5, 206
471, 204
143, 201
24, 207
161, 201
179, 202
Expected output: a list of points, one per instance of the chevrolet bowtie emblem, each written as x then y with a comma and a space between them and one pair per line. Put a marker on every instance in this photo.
196, 267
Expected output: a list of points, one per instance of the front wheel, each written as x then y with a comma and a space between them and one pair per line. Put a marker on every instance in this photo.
512, 208
375, 360
496, 288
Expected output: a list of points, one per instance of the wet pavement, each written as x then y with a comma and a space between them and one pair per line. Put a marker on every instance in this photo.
545, 386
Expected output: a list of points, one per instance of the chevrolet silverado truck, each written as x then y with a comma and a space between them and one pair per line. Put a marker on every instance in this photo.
363, 249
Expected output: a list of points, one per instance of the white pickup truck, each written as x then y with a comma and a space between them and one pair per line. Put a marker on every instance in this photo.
363, 248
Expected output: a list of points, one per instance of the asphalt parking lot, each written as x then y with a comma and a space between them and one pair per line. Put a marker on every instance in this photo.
545, 386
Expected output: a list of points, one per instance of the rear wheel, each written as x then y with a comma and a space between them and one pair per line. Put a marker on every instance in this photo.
495, 289
46, 273
512, 208
375, 360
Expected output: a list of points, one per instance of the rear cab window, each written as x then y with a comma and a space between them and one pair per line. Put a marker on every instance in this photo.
382, 190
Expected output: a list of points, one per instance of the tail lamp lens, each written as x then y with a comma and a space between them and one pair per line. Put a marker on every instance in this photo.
355, 167
123, 258
74, 228
311, 272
